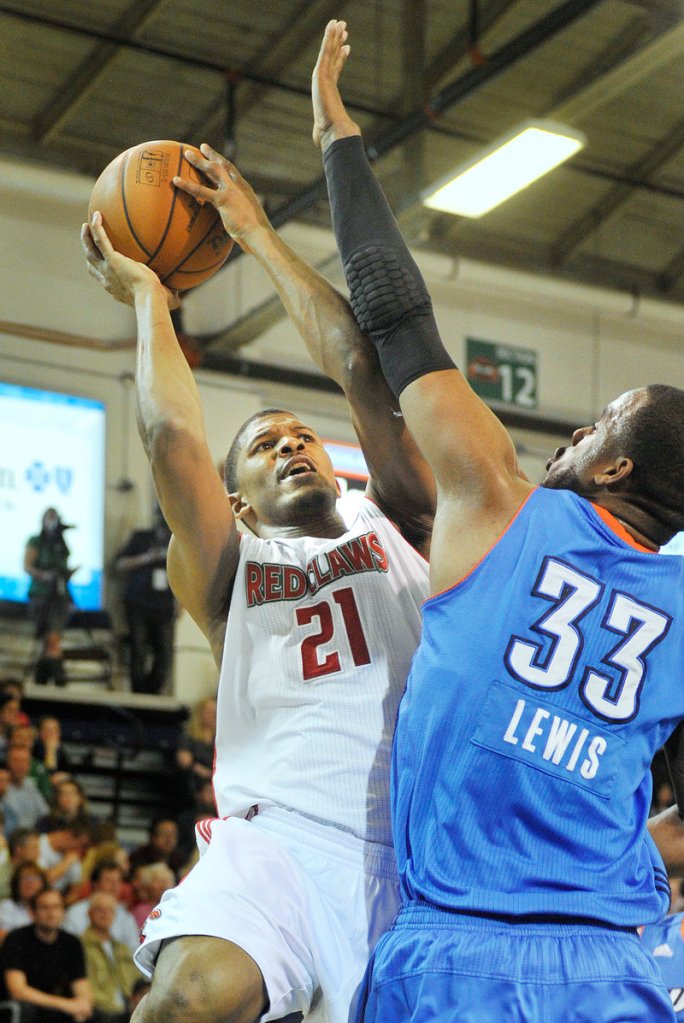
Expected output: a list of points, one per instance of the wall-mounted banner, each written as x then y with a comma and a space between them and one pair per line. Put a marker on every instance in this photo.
503, 373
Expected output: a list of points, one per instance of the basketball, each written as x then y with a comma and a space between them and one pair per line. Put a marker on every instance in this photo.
147, 218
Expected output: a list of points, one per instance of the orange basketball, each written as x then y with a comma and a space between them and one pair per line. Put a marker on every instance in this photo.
147, 218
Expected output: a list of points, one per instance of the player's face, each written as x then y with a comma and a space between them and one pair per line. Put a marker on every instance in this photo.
285, 472
592, 449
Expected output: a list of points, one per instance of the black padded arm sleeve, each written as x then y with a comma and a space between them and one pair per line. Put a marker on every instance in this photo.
386, 289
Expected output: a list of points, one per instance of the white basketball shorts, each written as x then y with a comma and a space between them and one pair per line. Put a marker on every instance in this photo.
306, 901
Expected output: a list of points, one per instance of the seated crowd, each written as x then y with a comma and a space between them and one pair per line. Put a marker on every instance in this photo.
73, 898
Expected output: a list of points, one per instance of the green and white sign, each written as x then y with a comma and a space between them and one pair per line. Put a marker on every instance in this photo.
502, 372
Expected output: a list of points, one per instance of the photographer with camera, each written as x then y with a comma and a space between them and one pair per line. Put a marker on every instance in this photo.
50, 603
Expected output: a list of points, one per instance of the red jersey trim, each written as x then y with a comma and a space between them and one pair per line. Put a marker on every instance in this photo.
616, 527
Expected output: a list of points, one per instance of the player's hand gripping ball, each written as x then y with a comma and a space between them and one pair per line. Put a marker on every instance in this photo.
147, 218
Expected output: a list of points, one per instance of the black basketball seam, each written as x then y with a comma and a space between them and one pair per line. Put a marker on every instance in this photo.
199, 270
124, 164
171, 209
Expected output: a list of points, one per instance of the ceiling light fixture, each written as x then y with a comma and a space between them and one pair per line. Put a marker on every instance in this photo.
504, 168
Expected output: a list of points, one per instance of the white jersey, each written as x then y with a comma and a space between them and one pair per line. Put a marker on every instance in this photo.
319, 641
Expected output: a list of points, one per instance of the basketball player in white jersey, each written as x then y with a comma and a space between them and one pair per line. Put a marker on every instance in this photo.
313, 618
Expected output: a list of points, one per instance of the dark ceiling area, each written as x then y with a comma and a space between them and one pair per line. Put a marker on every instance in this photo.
430, 81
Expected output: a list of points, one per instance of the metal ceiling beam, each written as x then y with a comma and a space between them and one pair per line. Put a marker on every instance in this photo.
521, 45
613, 55
509, 54
87, 75
276, 57
665, 48
271, 61
136, 46
458, 46
587, 225
413, 45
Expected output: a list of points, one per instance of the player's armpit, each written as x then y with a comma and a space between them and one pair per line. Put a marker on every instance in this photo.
667, 831
674, 755
201, 578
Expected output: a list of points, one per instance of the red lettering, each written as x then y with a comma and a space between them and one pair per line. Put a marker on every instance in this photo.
381, 559
338, 564
273, 582
294, 583
358, 553
254, 583
321, 577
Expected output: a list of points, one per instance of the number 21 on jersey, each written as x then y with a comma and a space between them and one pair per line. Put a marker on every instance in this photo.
639, 627
325, 615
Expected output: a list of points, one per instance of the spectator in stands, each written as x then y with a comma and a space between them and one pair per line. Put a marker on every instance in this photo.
24, 846
27, 880
25, 735
109, 849
663, 797
10, 819
68, 806
22, 795
149, 605
109, 963
195, 751
5, 862
13, 686
44, 967
49, 750
45, 559
10, 709
149, 883
107, 878
60, 853
161, 848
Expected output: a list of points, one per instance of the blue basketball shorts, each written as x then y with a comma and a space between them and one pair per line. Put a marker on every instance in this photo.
439, 967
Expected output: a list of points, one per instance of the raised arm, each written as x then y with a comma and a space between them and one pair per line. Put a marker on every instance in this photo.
401, 481
204, 547
470, 452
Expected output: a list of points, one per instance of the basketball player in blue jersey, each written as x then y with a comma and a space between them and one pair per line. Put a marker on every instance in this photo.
548, 674
665, 942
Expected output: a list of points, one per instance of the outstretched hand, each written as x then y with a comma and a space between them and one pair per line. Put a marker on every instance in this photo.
118, 274
331, 120
234, 198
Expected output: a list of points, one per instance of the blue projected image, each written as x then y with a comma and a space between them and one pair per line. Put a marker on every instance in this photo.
52, 449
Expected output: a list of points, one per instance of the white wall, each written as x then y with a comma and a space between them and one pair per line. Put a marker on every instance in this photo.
591, 345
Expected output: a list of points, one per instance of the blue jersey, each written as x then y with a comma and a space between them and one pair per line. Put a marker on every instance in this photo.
665, 940
544, 683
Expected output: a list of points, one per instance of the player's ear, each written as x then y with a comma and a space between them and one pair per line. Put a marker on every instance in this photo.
614, 474
239, 504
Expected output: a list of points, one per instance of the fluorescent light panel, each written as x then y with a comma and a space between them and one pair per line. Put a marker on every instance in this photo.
510, 165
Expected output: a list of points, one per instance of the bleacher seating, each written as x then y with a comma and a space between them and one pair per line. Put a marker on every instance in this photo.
123, 756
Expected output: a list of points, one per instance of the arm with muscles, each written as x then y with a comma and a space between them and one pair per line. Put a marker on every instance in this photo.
667, 828
401, 481
20, 990
471, 454
204, 547
83, 998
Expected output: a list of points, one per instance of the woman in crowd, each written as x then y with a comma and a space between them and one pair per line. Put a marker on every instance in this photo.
69, 806
195, 752
27, 880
